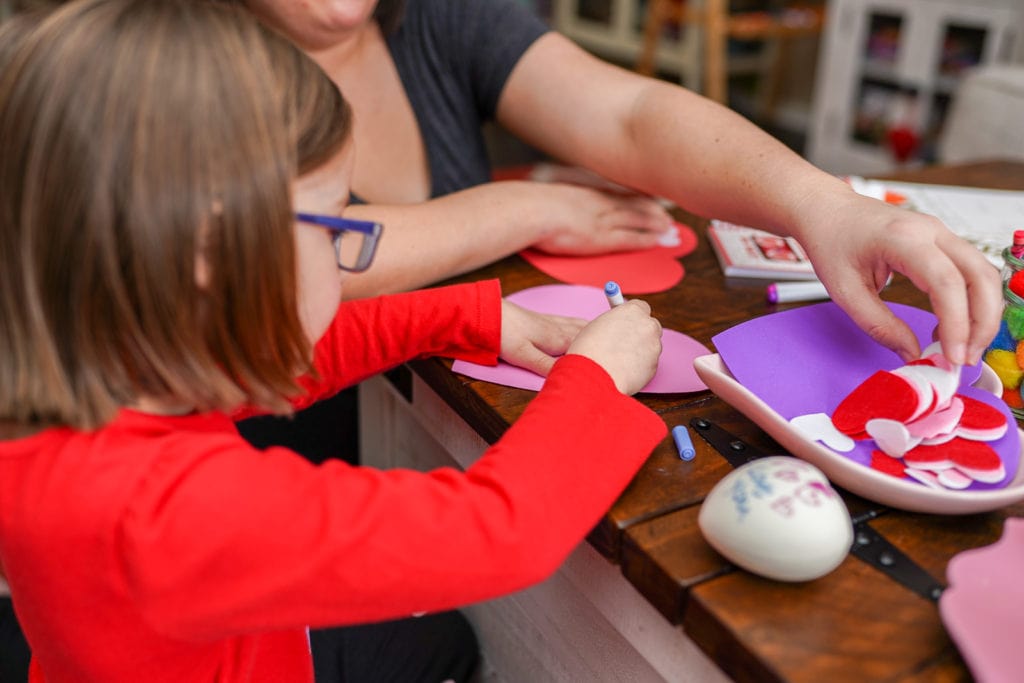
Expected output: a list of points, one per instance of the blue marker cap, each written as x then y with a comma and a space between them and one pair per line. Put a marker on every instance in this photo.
681, 435
613, 293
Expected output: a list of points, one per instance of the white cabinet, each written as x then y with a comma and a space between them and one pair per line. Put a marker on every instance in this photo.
888, 71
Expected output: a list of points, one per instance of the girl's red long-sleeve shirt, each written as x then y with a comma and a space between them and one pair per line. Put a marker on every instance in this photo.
168, 549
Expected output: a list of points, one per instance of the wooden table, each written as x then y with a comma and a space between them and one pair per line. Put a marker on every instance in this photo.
661, 604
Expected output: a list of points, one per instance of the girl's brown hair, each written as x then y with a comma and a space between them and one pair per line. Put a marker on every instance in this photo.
138, 138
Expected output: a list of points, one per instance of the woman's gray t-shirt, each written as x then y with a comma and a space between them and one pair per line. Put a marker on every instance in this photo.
454, 57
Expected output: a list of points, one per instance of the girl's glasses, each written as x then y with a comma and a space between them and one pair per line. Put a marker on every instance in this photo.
354, 254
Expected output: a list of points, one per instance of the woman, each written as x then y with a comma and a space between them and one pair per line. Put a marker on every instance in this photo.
411, 68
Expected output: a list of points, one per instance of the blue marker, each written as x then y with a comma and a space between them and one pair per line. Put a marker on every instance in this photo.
683, 443
614, 294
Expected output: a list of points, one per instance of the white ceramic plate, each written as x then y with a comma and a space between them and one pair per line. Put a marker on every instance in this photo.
852, 476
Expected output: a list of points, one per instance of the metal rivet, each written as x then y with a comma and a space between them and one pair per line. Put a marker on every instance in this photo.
737, 445
886, 559
702, 424
862, 539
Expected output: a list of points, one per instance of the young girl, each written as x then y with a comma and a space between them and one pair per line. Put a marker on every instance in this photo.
154, 285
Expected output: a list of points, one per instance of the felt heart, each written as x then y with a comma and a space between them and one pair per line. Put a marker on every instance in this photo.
637, 272
980, 421
943, 382
883, 395
939, 422
891, 437
819, 427
887, 464
927, 478
974, 458
954, 479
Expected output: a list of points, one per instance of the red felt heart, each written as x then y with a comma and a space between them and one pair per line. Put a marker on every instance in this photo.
965, 454
886, 464
883, 395
981, 416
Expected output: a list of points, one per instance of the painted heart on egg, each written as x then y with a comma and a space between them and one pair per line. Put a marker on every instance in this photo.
638, 272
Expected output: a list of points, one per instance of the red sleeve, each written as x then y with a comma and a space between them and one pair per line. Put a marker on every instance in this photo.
369, 336
266, 541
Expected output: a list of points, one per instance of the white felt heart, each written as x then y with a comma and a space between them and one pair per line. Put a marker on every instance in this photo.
819, 427
926, 398
891, 437
992, 476
926, 478
933, 352
954, 479
944, 382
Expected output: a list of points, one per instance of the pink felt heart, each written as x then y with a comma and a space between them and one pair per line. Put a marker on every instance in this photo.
883, 395
637, 272
675, 373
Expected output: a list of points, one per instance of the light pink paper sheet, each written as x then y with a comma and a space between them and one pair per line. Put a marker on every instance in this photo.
675, 372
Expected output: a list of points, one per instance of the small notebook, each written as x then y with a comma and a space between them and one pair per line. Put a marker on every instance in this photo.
752, 253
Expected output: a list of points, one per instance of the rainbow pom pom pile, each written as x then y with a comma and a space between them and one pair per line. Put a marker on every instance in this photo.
1005, 355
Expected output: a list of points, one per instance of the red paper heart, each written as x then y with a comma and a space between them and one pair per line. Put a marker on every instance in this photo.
883, 395
638, 272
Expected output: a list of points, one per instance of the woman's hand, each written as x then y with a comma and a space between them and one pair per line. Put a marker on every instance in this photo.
587, 220
861, 241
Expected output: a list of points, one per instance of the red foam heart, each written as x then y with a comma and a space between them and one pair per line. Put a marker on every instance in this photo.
883, 395
638, 272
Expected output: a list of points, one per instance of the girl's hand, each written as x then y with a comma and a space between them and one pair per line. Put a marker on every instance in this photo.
585, 220
534, 340
626, 342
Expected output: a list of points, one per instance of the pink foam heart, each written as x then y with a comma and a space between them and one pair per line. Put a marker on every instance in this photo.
638, 272
675, 373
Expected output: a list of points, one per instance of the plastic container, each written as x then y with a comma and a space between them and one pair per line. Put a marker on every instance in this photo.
1005, 355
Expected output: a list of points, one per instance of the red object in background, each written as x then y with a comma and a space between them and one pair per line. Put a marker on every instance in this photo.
903, 142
